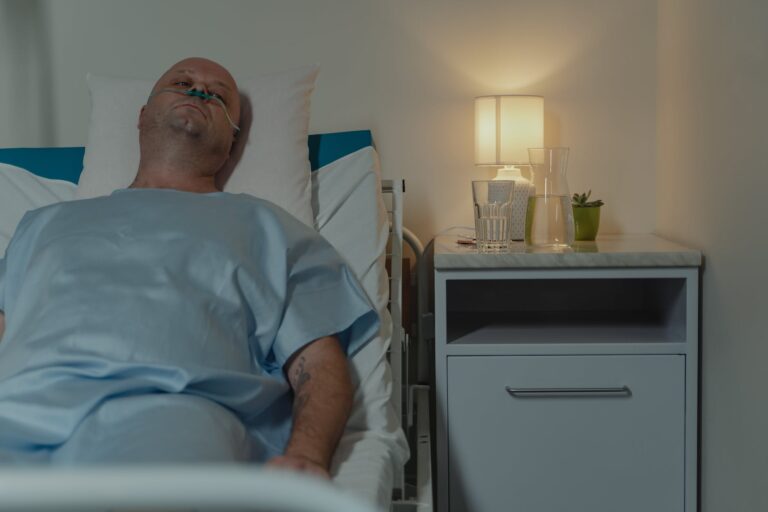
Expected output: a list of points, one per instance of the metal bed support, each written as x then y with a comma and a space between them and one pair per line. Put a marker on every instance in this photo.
392, 191
413, 493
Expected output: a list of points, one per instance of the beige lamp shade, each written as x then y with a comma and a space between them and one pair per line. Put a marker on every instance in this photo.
505, 127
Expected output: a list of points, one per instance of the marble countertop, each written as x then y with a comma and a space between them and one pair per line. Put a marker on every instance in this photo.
610, 251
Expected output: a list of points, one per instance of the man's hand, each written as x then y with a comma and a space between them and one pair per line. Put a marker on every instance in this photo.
322, 401
300, 464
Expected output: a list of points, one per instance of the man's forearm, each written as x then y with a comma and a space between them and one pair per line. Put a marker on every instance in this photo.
322, 400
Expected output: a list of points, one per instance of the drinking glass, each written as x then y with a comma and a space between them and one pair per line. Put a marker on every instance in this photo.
493, 214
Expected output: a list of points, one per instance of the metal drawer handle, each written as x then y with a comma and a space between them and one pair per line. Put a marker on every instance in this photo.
568, 392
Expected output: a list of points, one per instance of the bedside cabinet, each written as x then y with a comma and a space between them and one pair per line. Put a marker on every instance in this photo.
567, 381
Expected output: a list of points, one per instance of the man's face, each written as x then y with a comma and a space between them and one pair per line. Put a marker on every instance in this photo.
196, 117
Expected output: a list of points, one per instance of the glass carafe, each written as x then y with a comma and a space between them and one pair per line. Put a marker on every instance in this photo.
549, 219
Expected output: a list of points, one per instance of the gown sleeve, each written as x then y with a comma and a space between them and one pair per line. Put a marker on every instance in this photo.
323, 298
318, 296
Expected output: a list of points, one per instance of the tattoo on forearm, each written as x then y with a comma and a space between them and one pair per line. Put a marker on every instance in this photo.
301, 377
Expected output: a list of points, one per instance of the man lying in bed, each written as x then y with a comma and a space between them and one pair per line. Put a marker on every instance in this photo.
172, 322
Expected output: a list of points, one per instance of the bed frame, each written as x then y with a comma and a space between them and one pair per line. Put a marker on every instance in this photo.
412, 491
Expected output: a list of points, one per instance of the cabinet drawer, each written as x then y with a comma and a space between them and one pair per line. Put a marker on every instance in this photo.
576, 433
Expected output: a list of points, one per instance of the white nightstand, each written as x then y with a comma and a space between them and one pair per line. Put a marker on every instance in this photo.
567, 382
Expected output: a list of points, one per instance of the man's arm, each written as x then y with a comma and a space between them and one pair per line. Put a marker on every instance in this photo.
2, 325
322, 402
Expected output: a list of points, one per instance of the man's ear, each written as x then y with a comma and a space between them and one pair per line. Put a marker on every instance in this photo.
232, 145
141, 113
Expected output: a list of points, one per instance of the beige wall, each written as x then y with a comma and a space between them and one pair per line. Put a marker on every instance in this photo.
712, 179
26, 103
593, 61
408, 70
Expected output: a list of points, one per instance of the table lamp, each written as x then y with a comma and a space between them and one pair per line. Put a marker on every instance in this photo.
505, 127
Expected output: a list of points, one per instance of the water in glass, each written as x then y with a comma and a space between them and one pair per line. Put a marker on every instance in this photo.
551, 221
493, 211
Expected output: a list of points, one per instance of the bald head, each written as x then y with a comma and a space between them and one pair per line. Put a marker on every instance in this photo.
188, 137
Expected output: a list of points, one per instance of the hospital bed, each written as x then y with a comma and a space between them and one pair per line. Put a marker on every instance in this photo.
370, 462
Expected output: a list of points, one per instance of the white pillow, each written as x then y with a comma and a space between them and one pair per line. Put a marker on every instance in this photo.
270, 158
21, 191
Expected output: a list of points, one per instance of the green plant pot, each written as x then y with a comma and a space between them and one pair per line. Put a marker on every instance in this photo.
587, 222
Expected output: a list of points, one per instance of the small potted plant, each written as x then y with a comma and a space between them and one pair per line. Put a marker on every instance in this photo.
586, 216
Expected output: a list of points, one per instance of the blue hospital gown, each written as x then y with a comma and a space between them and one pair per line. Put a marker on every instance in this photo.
154, 324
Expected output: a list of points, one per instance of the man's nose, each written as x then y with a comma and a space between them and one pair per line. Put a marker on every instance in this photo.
200, 89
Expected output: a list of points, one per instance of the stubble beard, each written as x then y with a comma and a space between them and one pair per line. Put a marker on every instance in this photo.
192, 133
186, 125
189, 139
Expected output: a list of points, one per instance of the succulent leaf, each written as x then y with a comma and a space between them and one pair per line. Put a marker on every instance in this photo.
582, 200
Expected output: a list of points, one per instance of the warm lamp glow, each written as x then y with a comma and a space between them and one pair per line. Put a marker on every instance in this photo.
505, 127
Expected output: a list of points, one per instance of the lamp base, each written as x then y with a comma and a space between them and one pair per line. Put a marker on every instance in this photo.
523, 189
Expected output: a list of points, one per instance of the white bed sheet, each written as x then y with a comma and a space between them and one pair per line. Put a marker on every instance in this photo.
350, 214
21, 191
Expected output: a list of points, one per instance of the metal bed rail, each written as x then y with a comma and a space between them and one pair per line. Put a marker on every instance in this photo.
412, 492
203, 488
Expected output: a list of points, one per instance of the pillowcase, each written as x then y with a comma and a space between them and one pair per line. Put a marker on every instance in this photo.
21, 191
269, 160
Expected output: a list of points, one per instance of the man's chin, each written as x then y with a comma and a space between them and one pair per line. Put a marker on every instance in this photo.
188, 127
